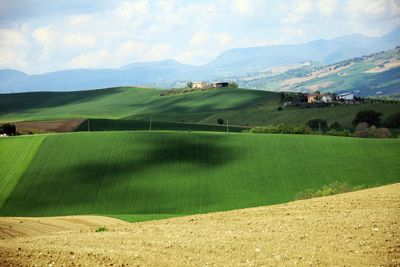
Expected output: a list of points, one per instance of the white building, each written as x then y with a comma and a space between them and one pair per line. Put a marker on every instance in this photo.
346, 96
199, 85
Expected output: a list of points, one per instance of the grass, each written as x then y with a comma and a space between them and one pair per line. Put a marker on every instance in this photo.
125, 125
16, 153
328, 190
149, 175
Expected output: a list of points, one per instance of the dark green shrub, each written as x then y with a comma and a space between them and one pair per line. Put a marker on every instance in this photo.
335, 125
393, 121
368, 116
317, 123
101, 229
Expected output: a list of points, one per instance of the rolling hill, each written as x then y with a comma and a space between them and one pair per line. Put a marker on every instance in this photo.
170, 73
240, 107
132, 175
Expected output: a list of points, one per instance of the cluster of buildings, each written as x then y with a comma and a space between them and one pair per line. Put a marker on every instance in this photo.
204, 85
329, 98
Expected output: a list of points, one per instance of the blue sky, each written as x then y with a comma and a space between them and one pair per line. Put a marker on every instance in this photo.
49, 35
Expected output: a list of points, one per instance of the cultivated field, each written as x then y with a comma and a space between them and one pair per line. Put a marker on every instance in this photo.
354, 229
240, 106
148, 175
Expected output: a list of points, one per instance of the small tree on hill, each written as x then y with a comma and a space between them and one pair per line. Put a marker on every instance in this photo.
233, 85
393, 121
335, 125
220, 121
189, 84
8, 129
317, 123
368, 116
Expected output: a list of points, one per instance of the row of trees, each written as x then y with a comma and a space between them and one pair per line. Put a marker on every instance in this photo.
366, 123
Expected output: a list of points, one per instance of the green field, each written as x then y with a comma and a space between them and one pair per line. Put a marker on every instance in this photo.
131, 125
240, 106
147, 175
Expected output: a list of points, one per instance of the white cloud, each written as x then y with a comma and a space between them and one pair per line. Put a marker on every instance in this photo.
79, 40
327, 7
190, 31
158, 52
92, 59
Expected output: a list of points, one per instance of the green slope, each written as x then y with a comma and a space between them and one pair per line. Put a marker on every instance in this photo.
169, 173
239, 106
15, 156
122, 102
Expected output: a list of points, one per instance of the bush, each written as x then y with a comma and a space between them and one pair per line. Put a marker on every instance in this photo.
279, 108
316, 123
101, 229
368, 116
393, 121
335, 125
8, 129
281, 128
328, 190
362, 130
220, 121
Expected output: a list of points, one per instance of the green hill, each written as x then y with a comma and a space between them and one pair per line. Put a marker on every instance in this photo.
157, 174
240, 106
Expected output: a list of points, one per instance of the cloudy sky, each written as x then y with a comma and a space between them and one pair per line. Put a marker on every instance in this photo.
47, 35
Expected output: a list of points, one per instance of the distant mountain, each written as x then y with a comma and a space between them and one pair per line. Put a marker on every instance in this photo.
234, 62
376, 74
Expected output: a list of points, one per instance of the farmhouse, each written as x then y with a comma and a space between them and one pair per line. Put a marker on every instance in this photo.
314, 98
219, 84
346, 96
199, 85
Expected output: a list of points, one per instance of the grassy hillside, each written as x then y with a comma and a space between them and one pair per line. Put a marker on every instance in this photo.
123, 102
239, 106
128, 174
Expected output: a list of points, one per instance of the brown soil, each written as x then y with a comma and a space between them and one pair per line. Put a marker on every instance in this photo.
59, 126
353, 229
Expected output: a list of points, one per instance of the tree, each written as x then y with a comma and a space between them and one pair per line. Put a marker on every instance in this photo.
368, 116
316, 123
233, 85
220, 121
189, 84
335, 125
8, 129
393, 121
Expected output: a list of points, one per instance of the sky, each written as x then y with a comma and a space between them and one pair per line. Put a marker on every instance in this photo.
38, 36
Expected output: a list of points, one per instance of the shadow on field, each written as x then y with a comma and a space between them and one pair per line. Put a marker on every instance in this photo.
156, 173
205, 153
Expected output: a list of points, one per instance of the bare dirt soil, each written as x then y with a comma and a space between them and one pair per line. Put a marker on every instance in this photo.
353, 229
58, 126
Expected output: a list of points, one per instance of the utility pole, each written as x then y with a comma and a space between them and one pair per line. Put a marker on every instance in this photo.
150, 124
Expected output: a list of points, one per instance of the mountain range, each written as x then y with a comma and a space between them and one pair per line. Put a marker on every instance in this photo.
169, 73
